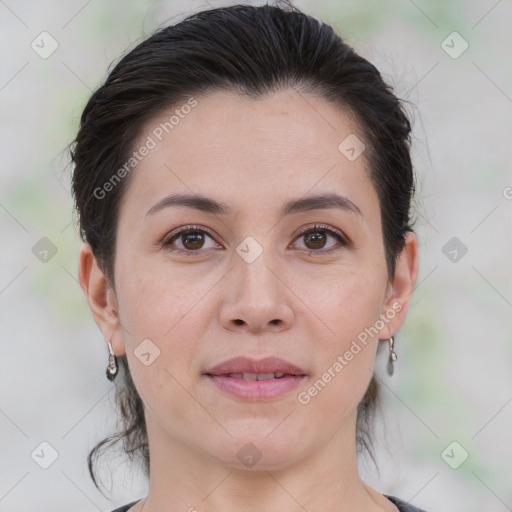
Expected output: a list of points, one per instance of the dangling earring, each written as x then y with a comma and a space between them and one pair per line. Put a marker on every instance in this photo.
112, 368
392, 356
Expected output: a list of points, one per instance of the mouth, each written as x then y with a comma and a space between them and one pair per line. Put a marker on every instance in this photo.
255, 387
246, 368
255, 376
254, 380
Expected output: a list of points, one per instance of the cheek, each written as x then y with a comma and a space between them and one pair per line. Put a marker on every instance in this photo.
170, 309
346, 302
156, 302
162, 326
349, 307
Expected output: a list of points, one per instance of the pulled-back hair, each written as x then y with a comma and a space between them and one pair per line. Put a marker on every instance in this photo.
252, 51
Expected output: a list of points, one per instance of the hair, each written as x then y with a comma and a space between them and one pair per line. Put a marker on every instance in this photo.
252, 51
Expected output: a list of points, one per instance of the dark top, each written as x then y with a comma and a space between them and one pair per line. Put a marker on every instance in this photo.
401, 505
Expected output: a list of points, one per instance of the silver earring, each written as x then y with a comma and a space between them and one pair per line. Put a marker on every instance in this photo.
112, 368
392, 356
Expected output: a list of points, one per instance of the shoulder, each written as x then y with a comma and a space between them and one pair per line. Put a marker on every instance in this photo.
125, 508
402, 505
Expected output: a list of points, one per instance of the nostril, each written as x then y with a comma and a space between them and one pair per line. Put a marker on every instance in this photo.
238, 321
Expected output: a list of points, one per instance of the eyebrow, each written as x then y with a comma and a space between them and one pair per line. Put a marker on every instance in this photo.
209, 205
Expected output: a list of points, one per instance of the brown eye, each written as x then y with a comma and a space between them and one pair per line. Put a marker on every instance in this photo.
193, 240
190, 240
315, 240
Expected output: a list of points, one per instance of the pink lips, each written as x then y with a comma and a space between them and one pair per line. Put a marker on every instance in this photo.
228, 376
247, 365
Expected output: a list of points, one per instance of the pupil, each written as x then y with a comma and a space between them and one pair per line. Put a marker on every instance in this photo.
317, 238
196, 239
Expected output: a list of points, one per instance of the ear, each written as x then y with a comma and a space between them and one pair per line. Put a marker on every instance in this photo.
400, 288
101, 298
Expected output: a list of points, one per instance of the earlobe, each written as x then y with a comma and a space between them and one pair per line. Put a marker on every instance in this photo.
100, 297
401, 287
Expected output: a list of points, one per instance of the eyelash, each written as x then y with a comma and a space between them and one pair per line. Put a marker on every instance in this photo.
342, 242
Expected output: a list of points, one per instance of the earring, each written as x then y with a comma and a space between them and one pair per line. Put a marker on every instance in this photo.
112, 368
392, 356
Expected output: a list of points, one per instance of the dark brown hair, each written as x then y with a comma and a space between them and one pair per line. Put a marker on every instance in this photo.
252, 51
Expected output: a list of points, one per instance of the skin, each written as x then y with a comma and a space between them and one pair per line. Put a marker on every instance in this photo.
202, 309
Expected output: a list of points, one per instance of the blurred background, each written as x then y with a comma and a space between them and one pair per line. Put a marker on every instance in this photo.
443, 439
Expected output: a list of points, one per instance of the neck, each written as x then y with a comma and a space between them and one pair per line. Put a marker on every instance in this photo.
187, 479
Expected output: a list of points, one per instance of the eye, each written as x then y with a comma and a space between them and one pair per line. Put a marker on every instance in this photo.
316, 238
191, 239
188, 240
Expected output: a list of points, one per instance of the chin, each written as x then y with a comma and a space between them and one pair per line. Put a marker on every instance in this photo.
262, 450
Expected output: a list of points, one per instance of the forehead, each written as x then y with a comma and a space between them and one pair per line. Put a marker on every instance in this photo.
248, 150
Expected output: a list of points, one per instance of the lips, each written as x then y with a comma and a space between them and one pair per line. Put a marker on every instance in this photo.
256, 380
251, 369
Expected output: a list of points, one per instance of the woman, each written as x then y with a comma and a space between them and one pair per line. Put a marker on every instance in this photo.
243, 183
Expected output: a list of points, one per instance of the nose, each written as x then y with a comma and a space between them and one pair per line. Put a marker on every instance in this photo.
257, 298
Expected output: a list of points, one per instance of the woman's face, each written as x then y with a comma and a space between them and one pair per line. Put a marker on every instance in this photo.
247, 281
